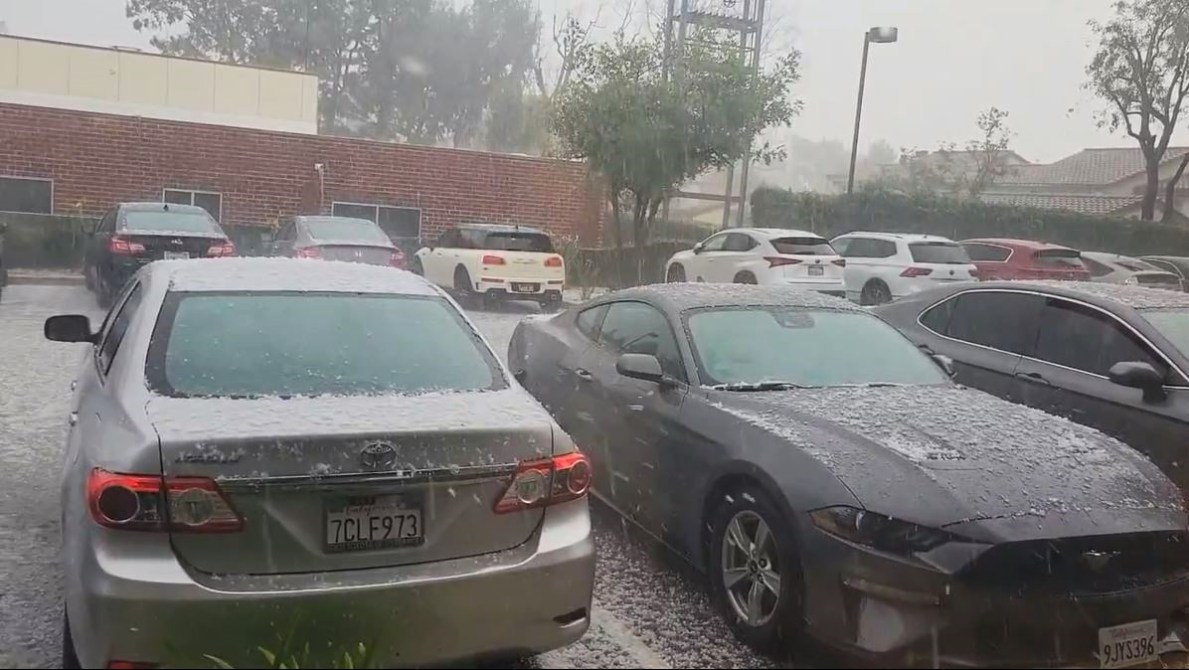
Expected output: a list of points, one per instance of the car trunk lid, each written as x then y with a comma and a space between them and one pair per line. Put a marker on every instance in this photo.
807, 259
940, 261
169, 247
353, 482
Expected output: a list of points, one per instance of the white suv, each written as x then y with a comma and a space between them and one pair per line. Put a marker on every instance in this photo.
492, 261
761, 256
881, 267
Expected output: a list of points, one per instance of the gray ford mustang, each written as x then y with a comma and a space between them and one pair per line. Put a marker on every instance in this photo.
830, 479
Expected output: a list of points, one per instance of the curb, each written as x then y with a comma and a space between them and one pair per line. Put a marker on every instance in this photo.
17, 277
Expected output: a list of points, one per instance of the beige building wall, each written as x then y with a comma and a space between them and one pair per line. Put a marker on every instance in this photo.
116, 81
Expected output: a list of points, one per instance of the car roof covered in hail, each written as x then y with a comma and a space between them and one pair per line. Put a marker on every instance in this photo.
286, 274
777, 233
680, 297
1103, 294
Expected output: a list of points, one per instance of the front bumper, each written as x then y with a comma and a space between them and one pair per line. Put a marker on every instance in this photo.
898, 612
149, 607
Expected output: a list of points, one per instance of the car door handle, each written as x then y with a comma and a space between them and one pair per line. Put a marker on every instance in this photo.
72, 419
73, 384
1034, 377
584, 375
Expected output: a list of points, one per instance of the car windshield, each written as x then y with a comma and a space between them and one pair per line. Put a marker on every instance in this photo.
938, 252
1173, 324
346, 230
1059, 258
290, 344
162, 222
803, 246
804, 347
535, 242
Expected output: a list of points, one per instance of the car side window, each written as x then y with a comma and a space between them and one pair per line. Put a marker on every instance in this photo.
637, 328
867, 247
841, 244
715, 243
997, 319
937, 318
589, 320
446, 239
738, 242
288, 233
110, 345
884, 248
986, 252
1084, 338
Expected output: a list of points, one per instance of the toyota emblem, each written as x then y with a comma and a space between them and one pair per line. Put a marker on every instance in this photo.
377, 456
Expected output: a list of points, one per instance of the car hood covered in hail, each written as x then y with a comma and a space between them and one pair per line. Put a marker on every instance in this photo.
950, 456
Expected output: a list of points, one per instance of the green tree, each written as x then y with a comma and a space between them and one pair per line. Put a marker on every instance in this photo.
881, 153
1141, 70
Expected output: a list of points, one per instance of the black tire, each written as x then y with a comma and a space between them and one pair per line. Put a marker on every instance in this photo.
778, 554
550, 306
875, 292
416, 267
745, 278
464, 289
676, 274
69, 655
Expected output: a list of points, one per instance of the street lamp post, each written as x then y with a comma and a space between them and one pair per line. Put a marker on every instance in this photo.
879, 35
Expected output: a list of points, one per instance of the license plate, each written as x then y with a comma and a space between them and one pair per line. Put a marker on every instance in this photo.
816, 270
1127, 644
176, 255
525, 288
372, 522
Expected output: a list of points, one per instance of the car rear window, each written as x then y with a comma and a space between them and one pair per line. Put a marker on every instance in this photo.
803, 246
938, 252
518, 242
1058, 258
170, 222
287, 344
346, 230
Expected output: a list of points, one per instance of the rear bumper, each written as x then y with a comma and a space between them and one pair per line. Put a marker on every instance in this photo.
149, 607
528, 289
835, 288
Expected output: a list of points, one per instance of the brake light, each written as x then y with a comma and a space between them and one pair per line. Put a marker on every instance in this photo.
777, 261
224, 248
547, 481
308, 252
491, 259
840, 262
397, 259
154, 503
123, 246
553, 262
915, 272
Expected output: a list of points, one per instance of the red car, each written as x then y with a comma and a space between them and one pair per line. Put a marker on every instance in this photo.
1025, 259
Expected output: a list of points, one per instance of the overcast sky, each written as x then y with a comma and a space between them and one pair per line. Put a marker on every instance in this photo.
954, 58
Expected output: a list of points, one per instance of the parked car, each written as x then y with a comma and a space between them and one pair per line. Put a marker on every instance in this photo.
1109, 356
337, 238
493, 261
1120, 269
762, 256
1178, 265
881, 267
133, 234
260, 443
829, 479
998, 258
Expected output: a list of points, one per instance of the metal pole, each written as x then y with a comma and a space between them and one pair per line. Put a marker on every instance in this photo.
726, 203
854, 146
755, 68
665, 74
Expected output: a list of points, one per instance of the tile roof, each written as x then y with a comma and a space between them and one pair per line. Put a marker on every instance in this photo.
1088, 166
1077, 202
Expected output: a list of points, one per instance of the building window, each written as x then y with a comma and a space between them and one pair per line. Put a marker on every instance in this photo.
211, 202
400, 223
23, 194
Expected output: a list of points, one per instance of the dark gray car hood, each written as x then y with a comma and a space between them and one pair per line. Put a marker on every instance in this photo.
943, 455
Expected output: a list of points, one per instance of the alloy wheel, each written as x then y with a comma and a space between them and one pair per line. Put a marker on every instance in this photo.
751, 570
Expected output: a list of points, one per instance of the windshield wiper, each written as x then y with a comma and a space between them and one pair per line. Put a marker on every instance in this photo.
760, 386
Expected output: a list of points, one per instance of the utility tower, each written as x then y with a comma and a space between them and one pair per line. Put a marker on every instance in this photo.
741, 19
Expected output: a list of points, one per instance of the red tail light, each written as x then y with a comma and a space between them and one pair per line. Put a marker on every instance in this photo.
777, 261
397, 259
916, 272
122, 246
974, 272
225, 248
547, 482
840, 262
553, 262
154, 503
491, 259
308, 252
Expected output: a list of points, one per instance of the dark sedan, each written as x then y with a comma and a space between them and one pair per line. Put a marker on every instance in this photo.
1106, 355
830, 479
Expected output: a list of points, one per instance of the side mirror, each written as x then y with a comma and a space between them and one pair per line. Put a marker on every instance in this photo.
69, 328
640, 366
698, 248
945, 362
1143, 376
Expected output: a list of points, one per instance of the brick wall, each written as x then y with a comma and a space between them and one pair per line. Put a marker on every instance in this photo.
96, 160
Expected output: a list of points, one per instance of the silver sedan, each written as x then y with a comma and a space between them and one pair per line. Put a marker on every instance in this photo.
310, 460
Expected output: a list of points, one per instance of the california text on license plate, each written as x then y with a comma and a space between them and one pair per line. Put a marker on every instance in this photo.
372, 522
176, 255
816, 270
1127, 644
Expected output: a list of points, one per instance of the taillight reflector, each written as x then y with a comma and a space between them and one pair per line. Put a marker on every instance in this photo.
308, 252
973, 272
123, 246
154, 503
396, 259
916, 272
491, 259
547, 481
777, 261
221, 249
553, 262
